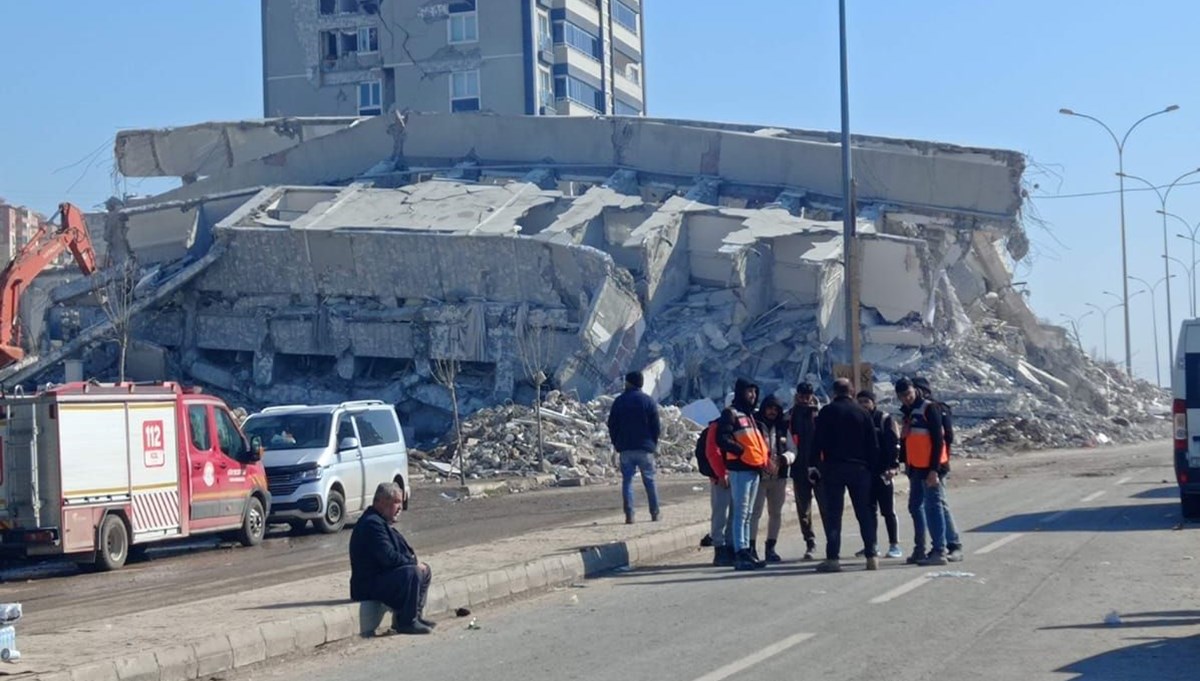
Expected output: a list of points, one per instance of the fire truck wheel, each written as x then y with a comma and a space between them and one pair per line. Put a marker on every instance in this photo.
254, 525
113, 546
335, 514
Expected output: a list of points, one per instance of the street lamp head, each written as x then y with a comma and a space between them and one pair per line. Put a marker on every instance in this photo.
1066, 112
1173, 107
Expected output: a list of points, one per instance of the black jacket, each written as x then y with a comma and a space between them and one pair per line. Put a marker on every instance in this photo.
727, 424
633, 422
376, 548
889, 442
775, 432
803, 419
845, 434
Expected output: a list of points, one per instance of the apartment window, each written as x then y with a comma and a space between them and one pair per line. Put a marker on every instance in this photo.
464, 91
634, 72
328, 7
370, 98
545, 88
545, 40
368, 39
622, 109
625, 15
463, 27
569, 87
573, 36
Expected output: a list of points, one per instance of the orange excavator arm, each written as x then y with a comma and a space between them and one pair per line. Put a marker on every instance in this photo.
45, 245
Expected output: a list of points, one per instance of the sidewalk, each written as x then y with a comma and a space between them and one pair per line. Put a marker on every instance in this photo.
201, 638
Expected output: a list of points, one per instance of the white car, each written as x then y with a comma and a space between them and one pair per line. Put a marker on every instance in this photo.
323, 462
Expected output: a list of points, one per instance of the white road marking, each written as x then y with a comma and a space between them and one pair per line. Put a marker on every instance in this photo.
754, 658
900, 590
1125, 479
1092, 497
999, 542
1055, 516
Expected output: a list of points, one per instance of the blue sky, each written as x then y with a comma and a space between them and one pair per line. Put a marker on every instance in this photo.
971, 72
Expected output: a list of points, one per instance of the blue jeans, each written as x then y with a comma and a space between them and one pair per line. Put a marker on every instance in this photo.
952, 539
743, 485
721, 526
631, 462
925, 505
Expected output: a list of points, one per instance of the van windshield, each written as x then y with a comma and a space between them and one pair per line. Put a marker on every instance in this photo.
289, 431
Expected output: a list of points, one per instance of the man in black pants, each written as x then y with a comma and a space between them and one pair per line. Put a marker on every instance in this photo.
383, 567
847, 447
886, 468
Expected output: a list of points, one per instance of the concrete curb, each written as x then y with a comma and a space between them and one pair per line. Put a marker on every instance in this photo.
240, 648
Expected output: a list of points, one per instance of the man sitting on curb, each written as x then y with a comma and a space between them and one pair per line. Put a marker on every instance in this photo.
383, 567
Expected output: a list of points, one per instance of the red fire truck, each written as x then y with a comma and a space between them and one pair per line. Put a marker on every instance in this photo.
90, 470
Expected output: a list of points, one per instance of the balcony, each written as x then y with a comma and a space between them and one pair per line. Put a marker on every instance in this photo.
629, 87
578, 60
354, 61
628, 38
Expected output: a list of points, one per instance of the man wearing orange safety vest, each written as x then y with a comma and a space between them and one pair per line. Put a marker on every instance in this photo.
925, 453
746, 456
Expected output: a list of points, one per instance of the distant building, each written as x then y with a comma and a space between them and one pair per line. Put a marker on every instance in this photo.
18, 224
536, 57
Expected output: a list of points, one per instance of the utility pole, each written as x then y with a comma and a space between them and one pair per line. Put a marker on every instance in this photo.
849, 239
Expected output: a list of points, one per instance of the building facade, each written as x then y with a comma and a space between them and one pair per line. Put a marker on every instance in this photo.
534, 57
17, 226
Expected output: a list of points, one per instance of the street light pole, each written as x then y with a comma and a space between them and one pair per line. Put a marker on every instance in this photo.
849, 255
1154, 321
1191, 237
1104, 322
1162, 199
1121, 172
1075, 322
1191, 272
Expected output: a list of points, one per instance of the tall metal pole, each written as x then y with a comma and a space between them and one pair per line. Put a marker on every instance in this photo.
1153, 288
1121, 171
849, 256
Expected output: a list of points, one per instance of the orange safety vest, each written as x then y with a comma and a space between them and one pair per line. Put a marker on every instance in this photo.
918, 444
755, 452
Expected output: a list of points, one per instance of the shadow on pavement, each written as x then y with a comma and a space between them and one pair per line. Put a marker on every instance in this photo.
1134, 620
1171, 492
1159, 659
301, 604
1158, 516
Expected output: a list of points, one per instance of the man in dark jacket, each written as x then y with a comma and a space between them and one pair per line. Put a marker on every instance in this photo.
383, 567
886, 467
954, 552
633, 428
772, 488
746, 456
845, 441
922, 447
803, 422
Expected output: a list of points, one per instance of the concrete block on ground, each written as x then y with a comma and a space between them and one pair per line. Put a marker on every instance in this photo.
177, 664
310, 631
518, 579
213, 655
477, 589
95, 671
55, 676
573, 566
436, 601
339, 623
456, 593
499, 585
280, 638
535, 571
140, 667
248, 646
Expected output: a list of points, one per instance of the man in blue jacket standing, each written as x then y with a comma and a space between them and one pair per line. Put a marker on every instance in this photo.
633, 428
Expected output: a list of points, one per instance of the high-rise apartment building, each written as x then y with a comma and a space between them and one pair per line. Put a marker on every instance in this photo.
537, 57
17, 226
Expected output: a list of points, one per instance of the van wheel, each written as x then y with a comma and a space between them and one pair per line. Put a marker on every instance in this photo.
1191, 506
335, 514
254, 524
112, 547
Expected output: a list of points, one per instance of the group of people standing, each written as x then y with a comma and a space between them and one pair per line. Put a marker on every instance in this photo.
848, 446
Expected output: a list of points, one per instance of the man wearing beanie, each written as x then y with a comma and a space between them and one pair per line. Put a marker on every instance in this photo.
633, 428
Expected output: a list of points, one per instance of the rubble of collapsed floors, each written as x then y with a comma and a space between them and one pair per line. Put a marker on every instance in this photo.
355, 261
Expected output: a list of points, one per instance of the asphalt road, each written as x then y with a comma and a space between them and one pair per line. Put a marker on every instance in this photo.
183, 572
1055, 543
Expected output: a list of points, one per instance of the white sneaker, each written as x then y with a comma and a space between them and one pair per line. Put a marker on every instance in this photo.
894, 551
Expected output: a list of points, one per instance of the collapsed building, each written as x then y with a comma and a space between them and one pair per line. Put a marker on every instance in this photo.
317, 260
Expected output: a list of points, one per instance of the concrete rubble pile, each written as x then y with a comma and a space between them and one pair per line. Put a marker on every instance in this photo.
502, 441
318, 260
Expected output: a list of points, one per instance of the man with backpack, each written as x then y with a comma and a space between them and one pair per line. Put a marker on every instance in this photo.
802, 420
746, 456
709, 462
954, 552
885, 469
923, 449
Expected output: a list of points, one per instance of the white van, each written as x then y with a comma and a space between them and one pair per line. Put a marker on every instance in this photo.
323, 462
1185, 409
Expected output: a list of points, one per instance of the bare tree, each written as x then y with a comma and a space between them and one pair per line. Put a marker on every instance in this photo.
535, 345
116, 300
445, 372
